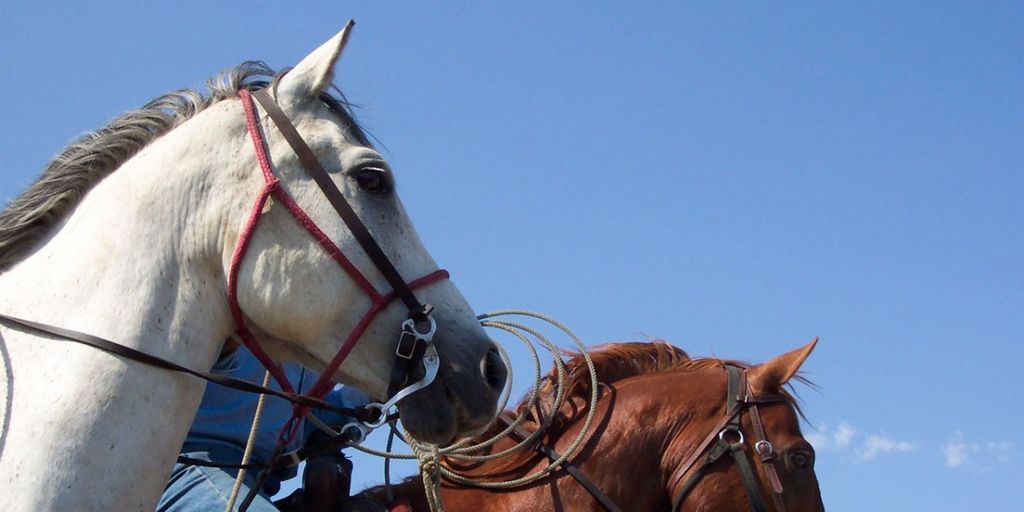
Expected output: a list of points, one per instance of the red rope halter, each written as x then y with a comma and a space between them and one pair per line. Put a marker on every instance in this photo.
380, 301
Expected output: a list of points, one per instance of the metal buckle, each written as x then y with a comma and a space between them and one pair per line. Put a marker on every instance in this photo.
763, 448
410, 337
406, 345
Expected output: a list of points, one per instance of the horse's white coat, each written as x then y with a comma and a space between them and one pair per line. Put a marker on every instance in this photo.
143, 261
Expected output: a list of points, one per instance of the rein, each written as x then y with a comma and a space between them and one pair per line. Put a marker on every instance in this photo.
430, 456
727, 438
125, 352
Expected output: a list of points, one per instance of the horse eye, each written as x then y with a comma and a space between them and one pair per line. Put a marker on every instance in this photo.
372, 180
800, 460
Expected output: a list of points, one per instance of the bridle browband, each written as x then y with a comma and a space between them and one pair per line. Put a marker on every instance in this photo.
414, 344
727, 438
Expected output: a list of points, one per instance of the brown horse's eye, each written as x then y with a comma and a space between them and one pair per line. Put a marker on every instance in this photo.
372, 180
800, 460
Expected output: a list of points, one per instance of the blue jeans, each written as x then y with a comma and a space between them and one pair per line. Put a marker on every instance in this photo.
199, 489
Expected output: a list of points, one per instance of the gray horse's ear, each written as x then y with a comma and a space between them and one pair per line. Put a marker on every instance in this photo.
314, 74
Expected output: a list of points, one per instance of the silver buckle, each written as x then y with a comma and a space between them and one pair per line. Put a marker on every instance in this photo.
409, 331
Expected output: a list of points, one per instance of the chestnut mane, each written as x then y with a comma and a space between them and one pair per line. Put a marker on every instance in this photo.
614, 362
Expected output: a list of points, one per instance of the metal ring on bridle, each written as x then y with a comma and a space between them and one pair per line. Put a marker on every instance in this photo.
410, 324
431, 363
739, 435
359, 431
382, 415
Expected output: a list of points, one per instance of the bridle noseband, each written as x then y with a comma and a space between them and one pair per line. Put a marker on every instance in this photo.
727, 438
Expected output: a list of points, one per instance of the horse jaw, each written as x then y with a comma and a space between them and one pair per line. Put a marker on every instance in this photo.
777, 372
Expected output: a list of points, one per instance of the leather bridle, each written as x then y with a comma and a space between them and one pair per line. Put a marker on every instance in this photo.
727, 438
413, 342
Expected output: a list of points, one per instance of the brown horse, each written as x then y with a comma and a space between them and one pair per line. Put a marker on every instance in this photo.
659, 415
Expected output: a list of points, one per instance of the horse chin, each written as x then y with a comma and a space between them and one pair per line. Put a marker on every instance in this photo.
429, 416
437, 415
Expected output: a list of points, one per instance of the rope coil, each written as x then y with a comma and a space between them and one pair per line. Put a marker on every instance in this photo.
431, 456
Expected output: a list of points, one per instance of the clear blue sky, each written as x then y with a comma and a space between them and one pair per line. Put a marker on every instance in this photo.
733, 179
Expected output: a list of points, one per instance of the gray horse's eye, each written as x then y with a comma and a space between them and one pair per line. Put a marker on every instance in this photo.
372, 180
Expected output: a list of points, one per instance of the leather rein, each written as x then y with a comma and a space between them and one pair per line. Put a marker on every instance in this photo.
727, 438
414, 345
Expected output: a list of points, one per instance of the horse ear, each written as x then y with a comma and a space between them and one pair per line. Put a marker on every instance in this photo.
773, 374
314, 74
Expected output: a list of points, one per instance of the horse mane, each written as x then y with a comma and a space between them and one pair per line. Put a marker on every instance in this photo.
95, 155
613, 362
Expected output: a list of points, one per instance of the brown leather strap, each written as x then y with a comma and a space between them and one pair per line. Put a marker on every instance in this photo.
568, 466
142, 357
738, 398
337, 200
766, 451
699, 451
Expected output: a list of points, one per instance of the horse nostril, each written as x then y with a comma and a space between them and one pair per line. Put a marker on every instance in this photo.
493, 370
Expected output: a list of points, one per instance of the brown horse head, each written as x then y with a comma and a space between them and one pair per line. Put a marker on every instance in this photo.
782, 460
657, 406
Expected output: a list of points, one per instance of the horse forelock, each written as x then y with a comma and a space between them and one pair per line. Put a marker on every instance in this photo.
87, 160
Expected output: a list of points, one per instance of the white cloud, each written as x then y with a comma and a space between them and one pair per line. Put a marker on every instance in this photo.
981, 455
845, 439
844, 434
825, 439
956, 454
876, 445
848, 444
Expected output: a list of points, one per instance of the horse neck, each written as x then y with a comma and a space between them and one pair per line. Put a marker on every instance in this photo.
139, 261
625, 466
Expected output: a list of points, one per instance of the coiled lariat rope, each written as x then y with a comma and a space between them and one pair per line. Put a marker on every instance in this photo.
430, 456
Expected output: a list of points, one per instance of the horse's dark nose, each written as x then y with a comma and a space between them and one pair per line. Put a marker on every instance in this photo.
493, 370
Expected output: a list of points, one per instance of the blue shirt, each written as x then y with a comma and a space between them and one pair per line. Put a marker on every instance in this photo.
225, 415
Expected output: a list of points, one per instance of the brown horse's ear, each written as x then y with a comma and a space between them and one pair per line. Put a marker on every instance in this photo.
773, 374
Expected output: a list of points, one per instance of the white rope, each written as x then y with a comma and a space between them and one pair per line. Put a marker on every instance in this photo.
430, 456
249, 444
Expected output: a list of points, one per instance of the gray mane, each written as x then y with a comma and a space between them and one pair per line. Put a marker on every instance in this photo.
92, 157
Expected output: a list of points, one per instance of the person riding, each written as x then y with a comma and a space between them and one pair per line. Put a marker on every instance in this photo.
220, 432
